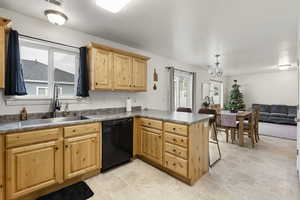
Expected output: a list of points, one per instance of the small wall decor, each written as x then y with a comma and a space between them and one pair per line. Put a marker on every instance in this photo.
155, 79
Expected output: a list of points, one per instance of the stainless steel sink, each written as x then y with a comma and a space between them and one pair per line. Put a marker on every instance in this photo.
51, 120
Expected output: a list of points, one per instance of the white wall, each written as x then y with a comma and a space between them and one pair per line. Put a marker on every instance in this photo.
152, 99
267, 88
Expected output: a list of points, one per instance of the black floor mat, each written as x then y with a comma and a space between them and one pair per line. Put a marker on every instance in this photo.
78, 191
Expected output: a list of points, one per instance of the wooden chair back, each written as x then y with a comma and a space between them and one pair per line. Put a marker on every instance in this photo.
182, 109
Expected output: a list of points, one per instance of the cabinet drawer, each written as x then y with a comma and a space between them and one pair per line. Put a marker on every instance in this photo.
152, 123
176, 150
176, 164
31, 137
176, 128
175, 139
83, 129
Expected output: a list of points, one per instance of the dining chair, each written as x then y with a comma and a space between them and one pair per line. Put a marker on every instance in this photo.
249, 128
229, 123
214, 139
182, 109
256, 111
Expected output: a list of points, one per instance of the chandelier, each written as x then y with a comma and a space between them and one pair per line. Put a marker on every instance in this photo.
216, 71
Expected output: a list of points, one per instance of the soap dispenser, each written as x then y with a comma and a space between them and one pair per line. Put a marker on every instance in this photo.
128, 105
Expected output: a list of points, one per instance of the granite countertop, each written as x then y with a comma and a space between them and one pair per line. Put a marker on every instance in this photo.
176, 117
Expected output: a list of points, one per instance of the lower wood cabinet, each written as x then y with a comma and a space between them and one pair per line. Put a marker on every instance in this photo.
36, 161
151, 144
1, 167
181, 150
33, 167
82, 155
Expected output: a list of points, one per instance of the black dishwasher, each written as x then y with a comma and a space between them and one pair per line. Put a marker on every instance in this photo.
117, 139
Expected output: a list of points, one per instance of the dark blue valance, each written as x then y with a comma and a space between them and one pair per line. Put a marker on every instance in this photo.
14, 80
83, 77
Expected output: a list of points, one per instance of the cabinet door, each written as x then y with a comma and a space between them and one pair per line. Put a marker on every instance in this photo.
33, 167
122, 72
82, 155
101, 62
2, 56
139, 74
1, 167
152, 146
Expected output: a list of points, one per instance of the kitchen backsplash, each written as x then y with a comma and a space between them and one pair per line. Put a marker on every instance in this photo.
16, 117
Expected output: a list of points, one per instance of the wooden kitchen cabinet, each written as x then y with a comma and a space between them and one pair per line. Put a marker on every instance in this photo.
115, 69
1, 167
33, 167
82, 155
179, 149
151, 144
101, 77
139, 74
122, 72
3, 23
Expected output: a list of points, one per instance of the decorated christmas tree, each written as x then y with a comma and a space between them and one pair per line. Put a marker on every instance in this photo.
236, 101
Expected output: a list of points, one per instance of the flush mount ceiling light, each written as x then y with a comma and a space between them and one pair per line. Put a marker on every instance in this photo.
113, 6
285, 67
56, 17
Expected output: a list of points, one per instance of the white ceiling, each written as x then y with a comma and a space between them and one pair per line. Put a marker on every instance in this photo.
251, 35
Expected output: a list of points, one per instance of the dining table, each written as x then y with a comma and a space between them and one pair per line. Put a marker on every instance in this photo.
241, 116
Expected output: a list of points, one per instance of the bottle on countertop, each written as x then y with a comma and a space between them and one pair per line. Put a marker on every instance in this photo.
128, 105
23, 114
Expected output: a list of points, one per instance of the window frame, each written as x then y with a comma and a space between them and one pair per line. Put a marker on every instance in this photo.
51, 48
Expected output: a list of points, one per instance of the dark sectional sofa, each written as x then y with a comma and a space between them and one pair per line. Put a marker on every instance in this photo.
279, 114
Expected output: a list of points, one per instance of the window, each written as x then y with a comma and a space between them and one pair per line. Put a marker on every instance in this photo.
41, 91
44, 64
182, 89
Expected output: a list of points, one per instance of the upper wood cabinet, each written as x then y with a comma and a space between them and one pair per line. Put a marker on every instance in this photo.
33, 167
101, 76
122, 72
3, 23
139, 74
115, 69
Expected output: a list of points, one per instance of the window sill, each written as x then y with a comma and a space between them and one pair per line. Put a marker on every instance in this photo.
32, 101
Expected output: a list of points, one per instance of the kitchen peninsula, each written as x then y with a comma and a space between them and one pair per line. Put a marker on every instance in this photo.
66, 150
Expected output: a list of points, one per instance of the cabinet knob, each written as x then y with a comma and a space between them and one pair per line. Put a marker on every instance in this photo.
74, 131
66, 146
96, 83
174, 164
174, 139
1, 186
56, 148
174, 150
174, 129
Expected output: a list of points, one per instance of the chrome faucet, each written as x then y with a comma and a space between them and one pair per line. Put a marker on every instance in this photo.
55, 102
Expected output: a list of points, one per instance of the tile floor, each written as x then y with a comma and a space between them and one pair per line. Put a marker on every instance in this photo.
267, 172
